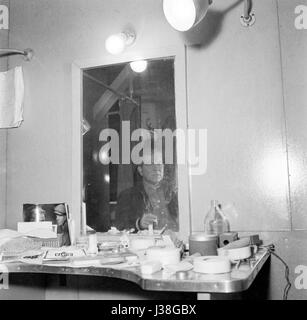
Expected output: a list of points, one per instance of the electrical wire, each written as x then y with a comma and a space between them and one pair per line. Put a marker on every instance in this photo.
271, 249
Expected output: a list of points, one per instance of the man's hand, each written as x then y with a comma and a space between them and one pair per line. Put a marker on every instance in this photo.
147, 219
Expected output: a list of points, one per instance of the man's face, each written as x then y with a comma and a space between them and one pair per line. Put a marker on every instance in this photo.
60, 220
152, 173
152, 169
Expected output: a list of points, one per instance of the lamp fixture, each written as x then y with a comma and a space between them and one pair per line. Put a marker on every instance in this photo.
116, 43
248, 18
182, 15
138, 66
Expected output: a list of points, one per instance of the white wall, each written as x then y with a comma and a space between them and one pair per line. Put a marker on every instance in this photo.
237, 82
4, 41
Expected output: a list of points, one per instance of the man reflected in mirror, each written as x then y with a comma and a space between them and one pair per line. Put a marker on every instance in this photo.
151, 201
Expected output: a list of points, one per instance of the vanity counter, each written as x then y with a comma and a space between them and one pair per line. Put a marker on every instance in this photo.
238, 280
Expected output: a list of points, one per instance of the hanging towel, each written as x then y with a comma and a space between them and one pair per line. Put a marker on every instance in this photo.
11, 98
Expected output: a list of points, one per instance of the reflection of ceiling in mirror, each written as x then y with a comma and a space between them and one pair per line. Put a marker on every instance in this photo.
156, 84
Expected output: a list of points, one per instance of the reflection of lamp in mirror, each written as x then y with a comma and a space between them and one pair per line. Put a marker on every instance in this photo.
182, 15
116, 43
138, 66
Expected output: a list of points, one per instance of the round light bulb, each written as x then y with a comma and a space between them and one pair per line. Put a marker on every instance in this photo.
138, 66
115, 44
180, 14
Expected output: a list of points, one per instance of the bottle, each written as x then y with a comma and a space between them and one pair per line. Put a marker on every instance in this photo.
92, 243
215, 221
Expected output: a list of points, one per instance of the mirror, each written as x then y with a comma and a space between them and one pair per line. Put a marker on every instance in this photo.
106, 96
118, 190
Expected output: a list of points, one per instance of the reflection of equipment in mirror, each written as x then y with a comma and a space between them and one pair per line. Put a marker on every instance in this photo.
86, 127
120, 95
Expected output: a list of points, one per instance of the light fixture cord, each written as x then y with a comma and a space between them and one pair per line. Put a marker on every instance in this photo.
271, 249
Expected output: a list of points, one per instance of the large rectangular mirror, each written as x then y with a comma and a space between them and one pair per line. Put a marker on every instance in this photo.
123, 181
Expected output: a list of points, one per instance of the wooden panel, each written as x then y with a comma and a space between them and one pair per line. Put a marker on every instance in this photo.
235, 92
294, 56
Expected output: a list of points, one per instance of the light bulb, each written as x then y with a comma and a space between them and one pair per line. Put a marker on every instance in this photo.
181, 14
115, 44
138, 66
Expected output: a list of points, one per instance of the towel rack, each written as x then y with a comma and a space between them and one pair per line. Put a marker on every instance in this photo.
27, 53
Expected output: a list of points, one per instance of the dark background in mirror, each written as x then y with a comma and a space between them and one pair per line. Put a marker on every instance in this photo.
145, 99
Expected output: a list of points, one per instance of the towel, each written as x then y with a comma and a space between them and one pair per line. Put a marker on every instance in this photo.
11, 98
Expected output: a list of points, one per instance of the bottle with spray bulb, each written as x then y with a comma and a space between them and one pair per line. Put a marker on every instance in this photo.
216, 222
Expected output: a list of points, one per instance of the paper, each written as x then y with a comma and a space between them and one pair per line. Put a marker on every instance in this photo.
43, 230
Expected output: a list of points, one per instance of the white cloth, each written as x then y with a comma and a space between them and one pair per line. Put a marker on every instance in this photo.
11, 98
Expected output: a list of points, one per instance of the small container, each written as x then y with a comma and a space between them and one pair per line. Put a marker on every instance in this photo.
92, 242
215, 221
205, 244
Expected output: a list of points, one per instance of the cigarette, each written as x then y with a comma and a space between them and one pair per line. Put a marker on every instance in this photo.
163, 229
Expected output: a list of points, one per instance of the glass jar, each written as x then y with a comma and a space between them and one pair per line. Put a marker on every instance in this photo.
215, 221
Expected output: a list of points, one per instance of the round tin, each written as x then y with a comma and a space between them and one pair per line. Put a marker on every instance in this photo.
203, 243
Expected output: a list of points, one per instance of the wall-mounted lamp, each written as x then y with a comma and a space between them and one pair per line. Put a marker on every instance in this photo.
116, 43
182, 15
138, 66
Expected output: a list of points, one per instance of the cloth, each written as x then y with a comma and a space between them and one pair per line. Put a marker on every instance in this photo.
134, 202
11, 98
14, 243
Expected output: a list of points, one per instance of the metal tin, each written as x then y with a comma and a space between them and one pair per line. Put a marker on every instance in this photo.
203, 243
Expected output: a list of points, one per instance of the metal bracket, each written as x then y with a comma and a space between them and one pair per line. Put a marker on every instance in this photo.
248, 22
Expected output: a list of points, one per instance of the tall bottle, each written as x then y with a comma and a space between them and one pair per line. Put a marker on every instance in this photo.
215, 221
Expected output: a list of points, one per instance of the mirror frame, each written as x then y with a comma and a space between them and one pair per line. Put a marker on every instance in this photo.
179, 55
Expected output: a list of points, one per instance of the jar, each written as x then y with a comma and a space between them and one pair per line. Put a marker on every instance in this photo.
216, 221
205, 244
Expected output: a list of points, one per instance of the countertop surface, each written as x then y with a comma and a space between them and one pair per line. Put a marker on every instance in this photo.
239, 279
